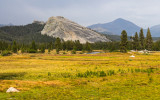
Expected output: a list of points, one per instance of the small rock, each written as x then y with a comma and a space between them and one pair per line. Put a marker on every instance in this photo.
132, 56
12, 89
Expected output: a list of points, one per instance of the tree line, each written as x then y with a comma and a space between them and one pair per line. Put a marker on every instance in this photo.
58, 44
137, 42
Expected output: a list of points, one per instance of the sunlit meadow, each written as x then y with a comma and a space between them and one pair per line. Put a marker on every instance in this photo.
104, 76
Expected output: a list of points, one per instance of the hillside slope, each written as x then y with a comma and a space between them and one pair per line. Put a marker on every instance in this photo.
24, 34
69, 30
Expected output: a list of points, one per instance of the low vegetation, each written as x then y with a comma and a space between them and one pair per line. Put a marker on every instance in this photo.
115, 75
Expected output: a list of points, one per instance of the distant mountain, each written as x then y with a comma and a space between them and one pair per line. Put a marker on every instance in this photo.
1, 25
115, 27
155, 30
69, 30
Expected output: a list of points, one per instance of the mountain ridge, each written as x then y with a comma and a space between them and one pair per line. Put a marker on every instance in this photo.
116, 26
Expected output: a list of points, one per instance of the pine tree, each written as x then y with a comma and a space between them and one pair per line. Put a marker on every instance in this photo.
69, 45
141, 40
14, 47
33, 46
136, 42
74, 50
42, 50
123, 42
149, 41
22, 48
88, 47
58, 45
49, 50
51, 46
64, 45
9, 47
78, 45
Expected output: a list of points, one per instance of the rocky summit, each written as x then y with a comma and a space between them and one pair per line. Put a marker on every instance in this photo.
69, 30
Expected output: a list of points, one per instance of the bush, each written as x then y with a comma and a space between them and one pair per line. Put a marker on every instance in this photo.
23, 50
83, 51
5, 53
49, 73
102, 74
111, 72
57, 51
42, 50
73, 52
49, 50
66, 75
32, 51
91, 74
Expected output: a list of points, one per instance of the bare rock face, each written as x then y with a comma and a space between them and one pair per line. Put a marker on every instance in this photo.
68, 30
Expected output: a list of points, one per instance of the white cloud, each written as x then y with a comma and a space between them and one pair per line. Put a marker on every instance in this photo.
86, 12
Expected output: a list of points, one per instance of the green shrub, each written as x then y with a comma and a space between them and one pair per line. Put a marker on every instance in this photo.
49, 50
83, 51
42, 50
102, 74
5, 53
49, 73
23, 50
111, 72
137, 70
32, 51
73, 51
66, 75
91, 74
132, 71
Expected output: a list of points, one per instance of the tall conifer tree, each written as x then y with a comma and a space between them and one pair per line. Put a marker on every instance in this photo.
14, 47
149, 41
136, 42
33, 46
141, 39
58, 45
88, 47
124, 42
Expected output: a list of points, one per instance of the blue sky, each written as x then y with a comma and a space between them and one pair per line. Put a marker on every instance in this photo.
144, 13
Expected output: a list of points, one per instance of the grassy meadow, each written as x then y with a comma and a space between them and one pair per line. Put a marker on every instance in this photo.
104, 76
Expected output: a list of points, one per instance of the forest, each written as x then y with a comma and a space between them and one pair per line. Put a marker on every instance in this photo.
28, 39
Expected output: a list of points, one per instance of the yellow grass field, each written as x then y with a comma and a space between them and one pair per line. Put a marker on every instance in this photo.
104, 76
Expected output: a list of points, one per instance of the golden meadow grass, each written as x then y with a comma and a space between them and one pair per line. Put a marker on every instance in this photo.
113, 76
